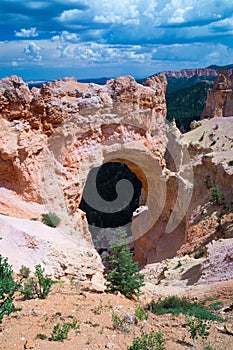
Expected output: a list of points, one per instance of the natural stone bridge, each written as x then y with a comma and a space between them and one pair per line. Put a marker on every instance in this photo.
60, 132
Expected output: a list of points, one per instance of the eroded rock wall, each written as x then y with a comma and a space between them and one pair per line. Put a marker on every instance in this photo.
219, 101
53, 136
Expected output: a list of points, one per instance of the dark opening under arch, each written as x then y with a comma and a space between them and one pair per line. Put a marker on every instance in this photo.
108, 175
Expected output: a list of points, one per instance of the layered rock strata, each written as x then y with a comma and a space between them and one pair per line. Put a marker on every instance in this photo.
219, 101
53, 136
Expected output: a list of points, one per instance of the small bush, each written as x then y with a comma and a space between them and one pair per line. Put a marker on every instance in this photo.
7, 288
230, 163
179, 264
187, 252
51, 219
197, 328
152, 341
41, 336
118, 323
140, 313
176, 305
24, 271
38, 286
28, 289
60, 332
123, 273
98, 309
215, 305
44, 283
216, 196
200, 253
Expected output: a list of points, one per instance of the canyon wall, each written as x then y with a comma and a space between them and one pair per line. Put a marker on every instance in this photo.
53, 136
189, 73
219, 101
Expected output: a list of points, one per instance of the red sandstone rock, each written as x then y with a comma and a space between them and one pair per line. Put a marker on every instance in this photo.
219, 101
51, 138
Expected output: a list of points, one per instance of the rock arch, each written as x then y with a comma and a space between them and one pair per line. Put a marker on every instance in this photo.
73, 127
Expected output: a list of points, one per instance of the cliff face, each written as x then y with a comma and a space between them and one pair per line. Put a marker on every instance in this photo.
53, 136
30, 118
219, 101
189, 73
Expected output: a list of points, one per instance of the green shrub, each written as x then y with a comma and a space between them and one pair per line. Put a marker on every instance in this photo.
197, 328
140, 313
152, 341
38, 286
44, 283
176, 305
118, 323
7, 288
216, 196
41, 336
123, 273
230, 163
215, 306
51, 219
179, 264
28, 289
60, 332
98, 309
200, 253
24, 271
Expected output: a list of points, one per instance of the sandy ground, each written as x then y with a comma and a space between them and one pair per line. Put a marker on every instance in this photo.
94, 314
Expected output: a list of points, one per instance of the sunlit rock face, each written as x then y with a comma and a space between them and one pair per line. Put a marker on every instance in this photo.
54, 138
219, 101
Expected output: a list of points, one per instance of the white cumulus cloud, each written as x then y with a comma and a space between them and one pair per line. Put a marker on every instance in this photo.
65, 37
27, 33
33, 52
70, 15
101, 53
179, 16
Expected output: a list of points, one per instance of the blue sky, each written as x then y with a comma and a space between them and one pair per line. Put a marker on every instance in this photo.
48, 39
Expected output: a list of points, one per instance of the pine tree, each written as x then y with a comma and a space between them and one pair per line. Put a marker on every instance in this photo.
7, 288
123, 273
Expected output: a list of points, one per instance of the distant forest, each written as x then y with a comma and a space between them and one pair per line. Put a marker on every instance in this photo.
186, 99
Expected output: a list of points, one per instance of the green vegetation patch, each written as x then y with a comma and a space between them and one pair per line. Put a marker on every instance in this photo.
152, 341
123, 273
51, 219
176, 305
7, 288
